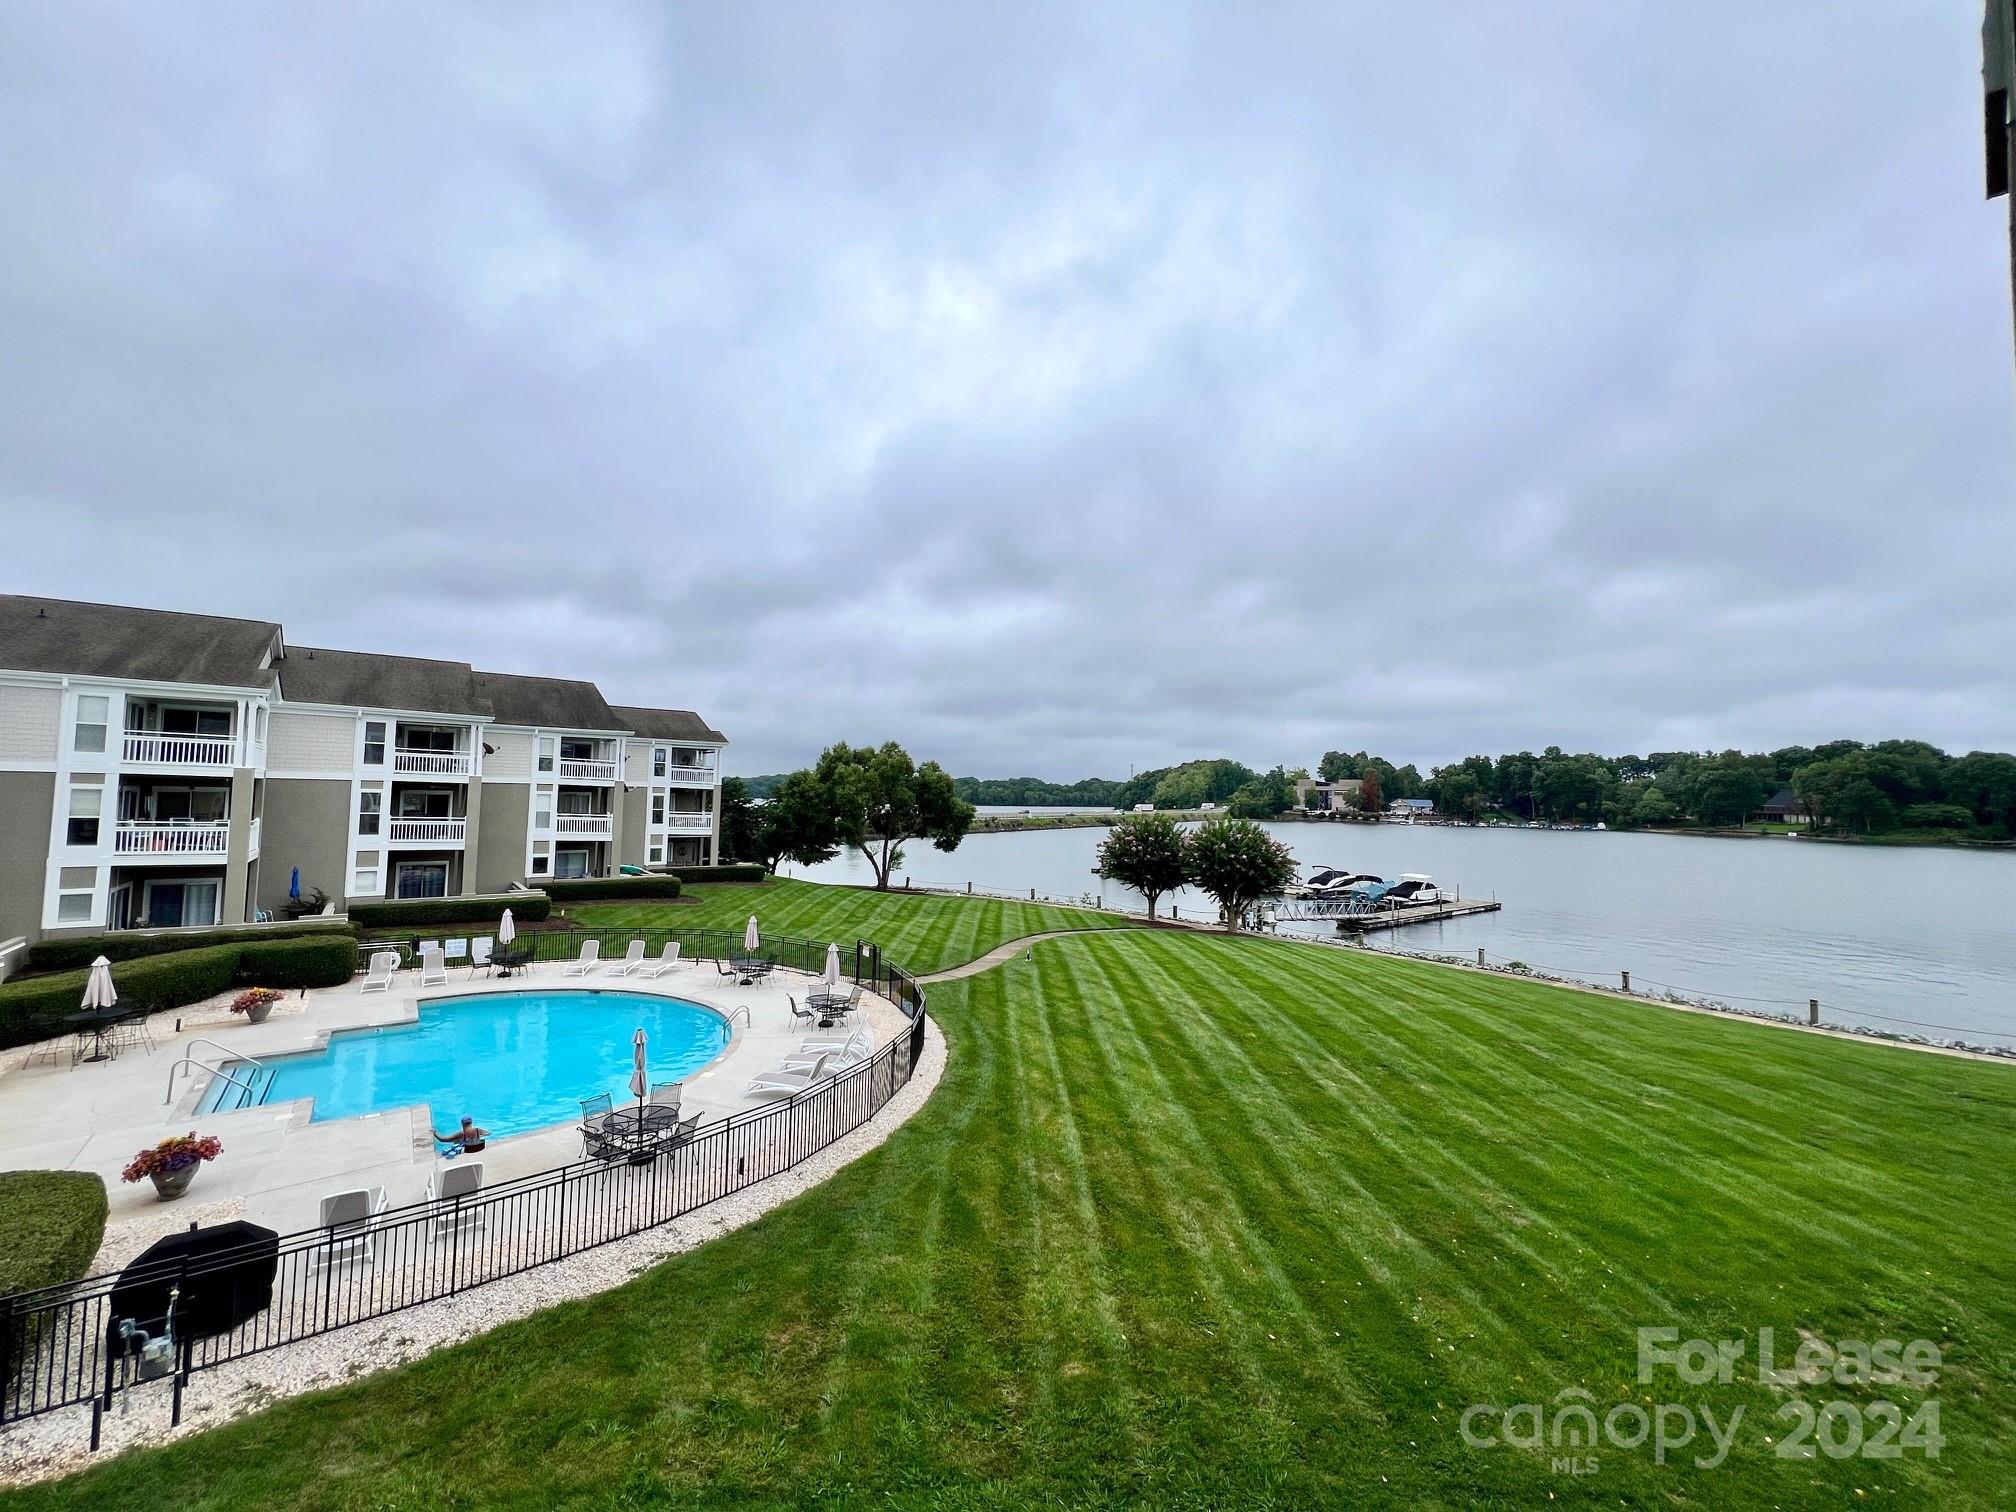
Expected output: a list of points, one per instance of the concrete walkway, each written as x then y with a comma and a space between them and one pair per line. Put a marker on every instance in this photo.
1004, 953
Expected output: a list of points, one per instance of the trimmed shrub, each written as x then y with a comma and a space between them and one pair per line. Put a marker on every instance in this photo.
130, 945
733, 871
51, 1224
614, 887
299, 963
34, 1009
526, 908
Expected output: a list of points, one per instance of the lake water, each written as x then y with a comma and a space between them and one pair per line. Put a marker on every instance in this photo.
1913, 941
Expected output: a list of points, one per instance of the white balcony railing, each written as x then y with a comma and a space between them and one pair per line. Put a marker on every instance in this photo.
582, 824
252, 844
426, 829
180, 750
696, 773
170, 837
587, 771
432, 763
677, 820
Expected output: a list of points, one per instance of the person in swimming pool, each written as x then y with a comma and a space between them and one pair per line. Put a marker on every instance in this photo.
466, 1140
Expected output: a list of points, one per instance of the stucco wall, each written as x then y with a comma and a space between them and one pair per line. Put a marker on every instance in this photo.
500, 855
307, 824
26, 802
29, 722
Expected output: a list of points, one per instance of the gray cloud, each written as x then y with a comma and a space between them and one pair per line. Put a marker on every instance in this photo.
1053, 390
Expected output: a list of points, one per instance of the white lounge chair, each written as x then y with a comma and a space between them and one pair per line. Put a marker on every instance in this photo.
479, 955
384, 966
858, 1039
449, 1189
421, 947
433, 969
350, 1219
667, 959
590, 957
850, 1054
791, 1082
633, 960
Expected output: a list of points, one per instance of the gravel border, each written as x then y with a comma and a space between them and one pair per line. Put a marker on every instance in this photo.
58, 1443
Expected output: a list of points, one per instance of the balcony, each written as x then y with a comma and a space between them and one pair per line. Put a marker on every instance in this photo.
431, 763
689, 774
171, 839
426, 831
678, 821
593, 826
586, 771
142, 749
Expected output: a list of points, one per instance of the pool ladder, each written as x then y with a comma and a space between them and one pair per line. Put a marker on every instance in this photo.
743, 1009
249, 1090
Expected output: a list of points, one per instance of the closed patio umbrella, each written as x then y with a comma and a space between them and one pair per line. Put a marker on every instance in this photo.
507, 931
640, 1078
751, 941
831, 978
99, 993
294, 884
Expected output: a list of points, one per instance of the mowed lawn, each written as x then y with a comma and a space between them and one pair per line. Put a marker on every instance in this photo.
921, 932
1229, 1222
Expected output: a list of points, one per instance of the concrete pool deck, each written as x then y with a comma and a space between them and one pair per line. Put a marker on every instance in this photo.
277, 1163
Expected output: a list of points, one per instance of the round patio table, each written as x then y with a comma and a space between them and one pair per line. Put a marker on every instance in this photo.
750, 967
97, 1025
637, 1127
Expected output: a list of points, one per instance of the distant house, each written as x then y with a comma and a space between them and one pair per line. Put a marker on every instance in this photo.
1412, 806
1321, 797
1783, 807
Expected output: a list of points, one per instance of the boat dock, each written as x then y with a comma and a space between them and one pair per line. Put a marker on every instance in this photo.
1353, 917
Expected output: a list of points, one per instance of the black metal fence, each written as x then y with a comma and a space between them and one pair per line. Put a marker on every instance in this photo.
85, 1342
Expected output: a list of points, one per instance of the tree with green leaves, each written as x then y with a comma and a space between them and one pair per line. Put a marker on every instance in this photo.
1238, 863
1147, 852
739, 818
1263, 797
795, 823
1654, 807
880, 798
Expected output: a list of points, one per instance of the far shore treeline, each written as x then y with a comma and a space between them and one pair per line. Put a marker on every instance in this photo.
1904, 788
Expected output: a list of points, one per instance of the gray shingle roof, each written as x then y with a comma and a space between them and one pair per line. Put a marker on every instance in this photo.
554, 702
367, 680
152, 645
668, 724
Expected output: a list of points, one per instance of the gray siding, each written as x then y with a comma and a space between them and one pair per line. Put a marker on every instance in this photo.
500, 858
26, 802
307, 824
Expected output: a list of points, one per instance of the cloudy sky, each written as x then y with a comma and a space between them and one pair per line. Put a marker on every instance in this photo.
1052, 390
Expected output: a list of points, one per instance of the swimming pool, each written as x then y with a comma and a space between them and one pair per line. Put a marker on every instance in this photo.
511, 1060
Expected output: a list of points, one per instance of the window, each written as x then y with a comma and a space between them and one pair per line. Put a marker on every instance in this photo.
658, 757
539, 865
259, 725
571, 863
369, 806
422, 739
420, 879
374, 742
658, 808
73, 908
577, 802
207, 805
424, 803
93, 710
86, 804
546, 753
206, 722
364, 880
578, 750
657, 852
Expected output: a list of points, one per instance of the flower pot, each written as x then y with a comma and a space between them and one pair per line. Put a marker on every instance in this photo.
172, 1184
258, 1015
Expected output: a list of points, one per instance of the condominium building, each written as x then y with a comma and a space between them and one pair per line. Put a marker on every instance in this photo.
161, 769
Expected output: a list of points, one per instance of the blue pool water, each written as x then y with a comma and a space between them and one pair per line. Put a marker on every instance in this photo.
511, 1060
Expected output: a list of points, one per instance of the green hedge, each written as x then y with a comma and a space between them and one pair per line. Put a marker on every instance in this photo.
526, 908
33, 1009
614, 887
129, 945
733, 871
51, 1224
